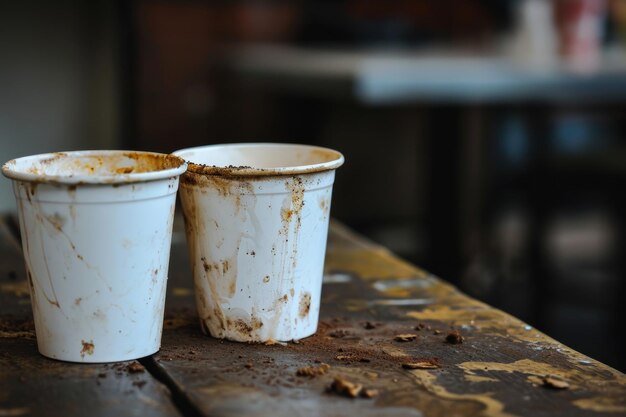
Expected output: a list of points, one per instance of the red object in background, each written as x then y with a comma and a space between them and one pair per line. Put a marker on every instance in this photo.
580, 25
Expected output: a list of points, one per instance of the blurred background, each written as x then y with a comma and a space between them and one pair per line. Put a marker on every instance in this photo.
483, 138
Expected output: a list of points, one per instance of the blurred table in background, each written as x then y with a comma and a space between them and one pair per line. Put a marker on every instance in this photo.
453, 87
458, 92
386, 77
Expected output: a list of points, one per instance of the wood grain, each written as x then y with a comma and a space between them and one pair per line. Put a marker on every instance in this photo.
370, 297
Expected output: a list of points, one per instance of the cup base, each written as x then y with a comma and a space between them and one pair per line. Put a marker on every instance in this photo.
88, 359
235, 336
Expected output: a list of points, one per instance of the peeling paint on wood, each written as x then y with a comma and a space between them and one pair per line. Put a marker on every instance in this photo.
381, 297
496, 372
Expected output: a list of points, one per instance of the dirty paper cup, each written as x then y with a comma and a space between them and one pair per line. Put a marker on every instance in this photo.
96, 230
256, 217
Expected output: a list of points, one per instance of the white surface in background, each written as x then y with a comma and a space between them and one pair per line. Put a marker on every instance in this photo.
388, 77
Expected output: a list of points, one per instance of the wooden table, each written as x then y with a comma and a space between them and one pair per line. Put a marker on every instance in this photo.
370, 298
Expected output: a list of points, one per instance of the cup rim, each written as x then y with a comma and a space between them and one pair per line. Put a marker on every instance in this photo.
9, 171
202, 169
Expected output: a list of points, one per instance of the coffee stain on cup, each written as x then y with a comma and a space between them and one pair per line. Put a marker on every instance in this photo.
305, 305
87, 348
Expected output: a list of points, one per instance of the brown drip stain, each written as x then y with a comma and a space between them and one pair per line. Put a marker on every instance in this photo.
293, 215
217, 312
88, 348
286, 214
325, 206
206, 265
297, 196
237, 203
73, 212
77, 301
221, 185
220, 272
31, 188
215, 318
297, 203
57, 221
305, 305
222, 269
242, 327
296, 188
189, 178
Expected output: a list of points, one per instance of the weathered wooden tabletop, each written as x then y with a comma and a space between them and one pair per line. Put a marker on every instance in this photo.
380, 316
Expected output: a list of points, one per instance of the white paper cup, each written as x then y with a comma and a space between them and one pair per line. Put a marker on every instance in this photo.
96, 230
256, 217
